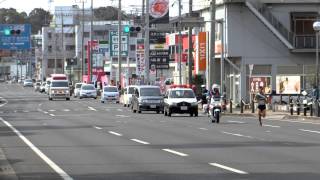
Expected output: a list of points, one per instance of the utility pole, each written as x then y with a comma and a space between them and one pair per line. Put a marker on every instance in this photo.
147, 43
82, 43
91, 43
180, 44
190, 48
211, 67
119, 42
62, 42
222, 57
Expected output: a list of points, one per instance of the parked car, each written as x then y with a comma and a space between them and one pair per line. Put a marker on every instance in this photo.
42, 87
147, 98
110, 93
28, 83
77, 89
127, 95
37, 86
180, 100
88, 91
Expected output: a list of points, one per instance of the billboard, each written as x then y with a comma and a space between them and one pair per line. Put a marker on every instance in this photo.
140, 57
256, 82
114, 44
159, 11
288, 85
17, 41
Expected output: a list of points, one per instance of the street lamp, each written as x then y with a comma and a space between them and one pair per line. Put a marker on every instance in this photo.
316, 27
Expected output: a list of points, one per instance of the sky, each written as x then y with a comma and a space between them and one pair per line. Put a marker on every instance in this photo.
28, 5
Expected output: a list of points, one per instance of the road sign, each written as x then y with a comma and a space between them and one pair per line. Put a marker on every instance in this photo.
15, 41
114, 46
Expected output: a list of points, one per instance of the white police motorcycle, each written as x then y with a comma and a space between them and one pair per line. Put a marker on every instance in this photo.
215, 109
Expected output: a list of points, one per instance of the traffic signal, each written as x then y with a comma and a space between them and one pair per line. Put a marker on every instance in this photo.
9, 32
128, 29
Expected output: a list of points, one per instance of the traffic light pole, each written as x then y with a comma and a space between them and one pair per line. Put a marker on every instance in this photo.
190, 46
91, 43
119, 43
147, 43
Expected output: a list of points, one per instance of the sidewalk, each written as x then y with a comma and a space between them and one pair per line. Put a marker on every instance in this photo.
272, 115
6, 171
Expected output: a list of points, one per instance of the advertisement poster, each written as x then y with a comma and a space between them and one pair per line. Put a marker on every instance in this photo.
159, 11
140, 57
256, 82
288, 85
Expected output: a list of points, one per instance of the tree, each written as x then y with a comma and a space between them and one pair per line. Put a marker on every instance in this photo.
39, 17
107, 13
11, 16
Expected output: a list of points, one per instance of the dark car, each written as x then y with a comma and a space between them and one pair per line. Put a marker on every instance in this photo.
147, 98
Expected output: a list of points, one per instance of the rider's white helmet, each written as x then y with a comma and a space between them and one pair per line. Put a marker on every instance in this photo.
215, 86
203, 86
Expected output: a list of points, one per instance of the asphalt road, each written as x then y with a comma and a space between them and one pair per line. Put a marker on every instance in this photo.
84, 139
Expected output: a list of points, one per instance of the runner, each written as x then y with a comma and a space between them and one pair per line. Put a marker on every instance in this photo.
261, 99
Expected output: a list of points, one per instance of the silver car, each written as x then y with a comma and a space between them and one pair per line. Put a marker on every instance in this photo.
110, 93
88, 91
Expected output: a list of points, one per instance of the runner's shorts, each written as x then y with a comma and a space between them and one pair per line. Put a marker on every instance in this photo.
262, 107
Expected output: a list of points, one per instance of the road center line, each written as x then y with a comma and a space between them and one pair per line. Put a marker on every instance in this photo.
123, 116
239, 122
51, 114
227, 168
115, 133
91, 108
45, 112
239, 135
204, 129
306, 130
96, 127
139, 141
175, 152
267, 125
52, 164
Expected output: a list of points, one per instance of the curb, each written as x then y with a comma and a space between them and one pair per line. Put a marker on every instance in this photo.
296, 117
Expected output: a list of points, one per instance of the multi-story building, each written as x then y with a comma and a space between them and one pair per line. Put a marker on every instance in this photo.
268, 43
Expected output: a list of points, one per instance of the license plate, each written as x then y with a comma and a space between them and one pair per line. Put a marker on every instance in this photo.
153, 106
184, 107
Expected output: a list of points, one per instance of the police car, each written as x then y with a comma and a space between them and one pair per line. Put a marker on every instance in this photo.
180, 99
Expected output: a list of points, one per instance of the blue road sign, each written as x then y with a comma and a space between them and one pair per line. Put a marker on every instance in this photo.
15, 41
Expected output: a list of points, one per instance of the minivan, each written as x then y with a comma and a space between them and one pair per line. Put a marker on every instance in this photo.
147, 98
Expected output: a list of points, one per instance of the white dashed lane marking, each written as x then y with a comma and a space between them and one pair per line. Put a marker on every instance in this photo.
239, 135
312, 131
139, 141
115, 133
227, 168
267, 125
96, 127
91, 108
175, 152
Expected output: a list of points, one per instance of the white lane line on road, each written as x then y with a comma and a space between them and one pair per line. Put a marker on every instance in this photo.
268, 125
204, 129
292, 121
96, 127
239, 122
227, 168
122, 116
120, 110
52, 115
66, 110
115, 133
312, 131
239, 135
175, 152
91, 108
139, 141
52, 164
5, 102
40, 104
45, 112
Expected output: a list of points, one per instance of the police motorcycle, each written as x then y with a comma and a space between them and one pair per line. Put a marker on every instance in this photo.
215, 105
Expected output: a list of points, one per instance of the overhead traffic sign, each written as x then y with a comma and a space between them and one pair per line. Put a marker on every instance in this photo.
15, 36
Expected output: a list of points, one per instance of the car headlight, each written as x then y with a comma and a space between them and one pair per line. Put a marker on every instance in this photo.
52, 91
67, 91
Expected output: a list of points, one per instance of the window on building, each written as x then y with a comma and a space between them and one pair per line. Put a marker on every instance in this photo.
132, 47
50, 63
70, 48
49, 49
59, 63
69, 35
99, 33
86, 34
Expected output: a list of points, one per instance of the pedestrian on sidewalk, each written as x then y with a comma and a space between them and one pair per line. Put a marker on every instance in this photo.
261, 99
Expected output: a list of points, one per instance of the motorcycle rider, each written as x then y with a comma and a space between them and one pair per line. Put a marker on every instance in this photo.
204, 94
214, 93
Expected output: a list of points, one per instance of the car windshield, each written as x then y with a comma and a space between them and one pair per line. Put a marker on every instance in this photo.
87, 87
28, 80
150, 92
59, 84
182, 94
110, 89
78, 86
131, 90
